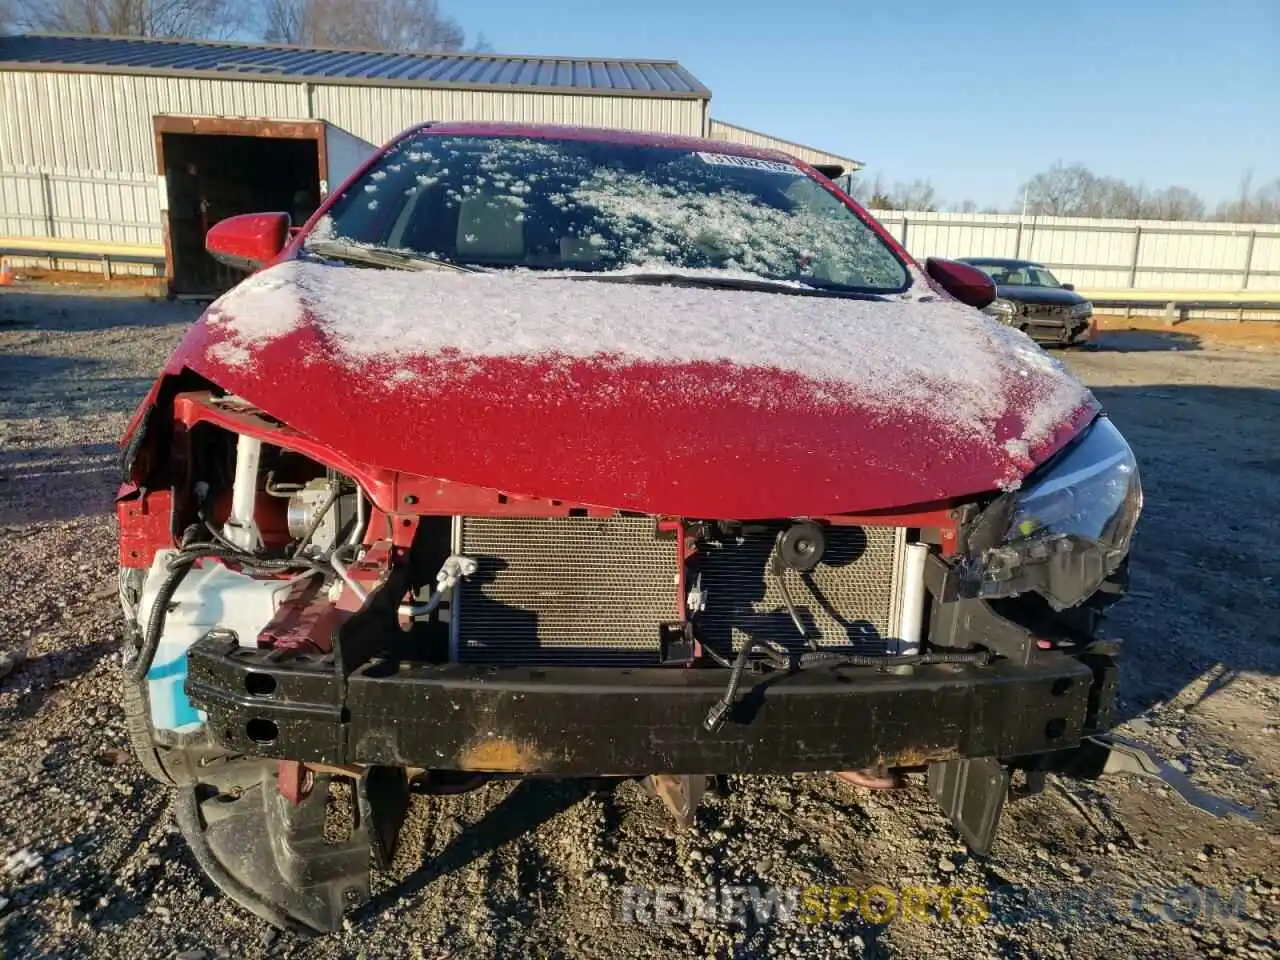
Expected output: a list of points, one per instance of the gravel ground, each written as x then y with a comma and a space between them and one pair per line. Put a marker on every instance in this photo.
91, 864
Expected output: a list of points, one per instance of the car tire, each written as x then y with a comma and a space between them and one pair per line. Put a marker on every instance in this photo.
137, 722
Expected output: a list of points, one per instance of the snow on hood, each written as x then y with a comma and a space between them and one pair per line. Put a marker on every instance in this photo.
913, 355
668, 399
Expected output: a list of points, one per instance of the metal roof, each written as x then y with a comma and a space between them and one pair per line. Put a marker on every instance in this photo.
469, 71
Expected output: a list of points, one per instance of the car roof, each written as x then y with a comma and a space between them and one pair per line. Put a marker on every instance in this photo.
551, 131
1001, 262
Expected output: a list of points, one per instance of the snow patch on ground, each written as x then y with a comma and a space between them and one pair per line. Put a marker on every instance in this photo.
938, 360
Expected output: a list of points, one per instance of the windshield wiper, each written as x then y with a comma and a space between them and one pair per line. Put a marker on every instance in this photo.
380, 256
722, 283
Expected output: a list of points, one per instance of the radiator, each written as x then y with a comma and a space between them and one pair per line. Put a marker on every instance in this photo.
849, 600
564, 590
589, 590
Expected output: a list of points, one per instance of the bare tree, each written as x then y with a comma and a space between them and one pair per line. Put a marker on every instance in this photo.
1174, 203
877, 194
1267, 202
1075, 191
1061, 191
418, 26
1260, 205
1113, 197
131, 18
916, 195
1241, 208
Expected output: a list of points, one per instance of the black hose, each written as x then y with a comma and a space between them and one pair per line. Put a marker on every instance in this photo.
716, 716
179, 566
727, 664
155, 623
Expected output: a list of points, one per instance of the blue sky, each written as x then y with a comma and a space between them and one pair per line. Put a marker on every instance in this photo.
976, 95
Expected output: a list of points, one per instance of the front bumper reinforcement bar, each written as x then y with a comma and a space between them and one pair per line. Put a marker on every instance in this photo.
575, 721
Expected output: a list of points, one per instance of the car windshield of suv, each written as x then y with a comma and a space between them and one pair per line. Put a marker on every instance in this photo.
591, 206
1019, 275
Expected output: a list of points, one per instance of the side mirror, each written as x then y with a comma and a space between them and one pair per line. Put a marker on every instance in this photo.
248, 241
967, 284
1068, 286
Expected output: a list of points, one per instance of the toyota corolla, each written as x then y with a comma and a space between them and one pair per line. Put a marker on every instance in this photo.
549, 452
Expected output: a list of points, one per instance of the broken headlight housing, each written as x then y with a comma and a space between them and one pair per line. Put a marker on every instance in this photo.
1067, 530
1000, 309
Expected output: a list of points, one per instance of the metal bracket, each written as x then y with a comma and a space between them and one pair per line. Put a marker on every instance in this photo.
1111, 755
681, 795
972, 793
270, 855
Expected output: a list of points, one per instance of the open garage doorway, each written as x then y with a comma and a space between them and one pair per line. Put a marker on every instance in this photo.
217, 167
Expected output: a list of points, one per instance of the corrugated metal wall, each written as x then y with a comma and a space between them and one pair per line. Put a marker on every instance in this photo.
735, 134
105, 208
85, 123
78, 157
377, 113
1105, 254
90, 124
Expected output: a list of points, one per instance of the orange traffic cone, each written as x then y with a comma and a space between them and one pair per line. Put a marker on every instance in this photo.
6, 273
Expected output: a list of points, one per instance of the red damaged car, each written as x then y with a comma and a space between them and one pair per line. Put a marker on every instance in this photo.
573, 453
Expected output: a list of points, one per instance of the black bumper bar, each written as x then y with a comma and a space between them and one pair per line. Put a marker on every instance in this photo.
574, 721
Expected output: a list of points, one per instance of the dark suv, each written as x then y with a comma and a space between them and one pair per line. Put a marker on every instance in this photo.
1036, 302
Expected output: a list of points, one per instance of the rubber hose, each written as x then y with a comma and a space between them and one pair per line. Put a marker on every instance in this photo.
180, 567
155, 623
715, 719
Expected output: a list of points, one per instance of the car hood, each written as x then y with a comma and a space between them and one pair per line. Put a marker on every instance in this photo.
1050, 296
668, 399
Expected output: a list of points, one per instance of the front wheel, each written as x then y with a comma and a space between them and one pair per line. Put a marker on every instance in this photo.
137, 723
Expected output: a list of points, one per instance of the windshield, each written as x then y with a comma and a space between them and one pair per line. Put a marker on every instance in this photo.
573, 205
1018, 275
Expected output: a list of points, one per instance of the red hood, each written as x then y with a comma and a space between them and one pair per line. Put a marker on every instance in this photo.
685, 401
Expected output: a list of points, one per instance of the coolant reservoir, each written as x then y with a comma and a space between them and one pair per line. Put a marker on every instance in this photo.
209, 596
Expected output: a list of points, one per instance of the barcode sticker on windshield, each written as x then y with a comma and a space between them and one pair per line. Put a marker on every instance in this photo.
750, 163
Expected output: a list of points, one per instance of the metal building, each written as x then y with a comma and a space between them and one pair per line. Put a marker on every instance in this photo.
129, 149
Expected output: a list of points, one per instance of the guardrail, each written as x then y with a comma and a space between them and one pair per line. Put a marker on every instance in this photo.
53, 249
1176, 304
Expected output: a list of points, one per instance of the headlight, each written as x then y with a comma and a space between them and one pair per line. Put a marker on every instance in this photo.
1082, 309
1000, 309
1067, 531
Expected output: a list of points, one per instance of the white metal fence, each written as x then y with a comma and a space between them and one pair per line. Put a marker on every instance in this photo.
1104, 254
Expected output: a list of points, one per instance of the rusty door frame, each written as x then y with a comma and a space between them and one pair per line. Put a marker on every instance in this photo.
231, 127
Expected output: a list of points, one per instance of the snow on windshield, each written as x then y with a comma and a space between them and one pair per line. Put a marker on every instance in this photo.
925, 360
660, 223
588, 205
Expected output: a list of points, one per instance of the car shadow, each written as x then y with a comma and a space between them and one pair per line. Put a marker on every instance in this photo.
1144, 341
527, 806
57, 483
58, 386
1204, 581
35, 679
58, 310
